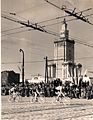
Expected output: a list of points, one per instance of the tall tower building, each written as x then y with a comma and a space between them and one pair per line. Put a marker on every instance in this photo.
64, 53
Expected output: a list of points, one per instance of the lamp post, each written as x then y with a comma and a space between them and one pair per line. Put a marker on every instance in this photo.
22, 67
46, 69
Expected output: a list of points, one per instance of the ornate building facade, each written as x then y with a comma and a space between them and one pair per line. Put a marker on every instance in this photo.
64, 53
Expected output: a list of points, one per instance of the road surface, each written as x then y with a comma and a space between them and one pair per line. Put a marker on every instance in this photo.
48, 109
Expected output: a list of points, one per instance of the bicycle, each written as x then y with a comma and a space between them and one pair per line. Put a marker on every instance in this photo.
37, 97
14, 97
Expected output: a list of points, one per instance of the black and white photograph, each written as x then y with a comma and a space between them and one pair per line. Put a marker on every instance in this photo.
46, 59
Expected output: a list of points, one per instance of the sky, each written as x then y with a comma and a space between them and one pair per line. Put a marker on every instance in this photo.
37, 45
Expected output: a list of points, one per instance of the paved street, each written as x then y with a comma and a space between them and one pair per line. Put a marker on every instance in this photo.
49, 109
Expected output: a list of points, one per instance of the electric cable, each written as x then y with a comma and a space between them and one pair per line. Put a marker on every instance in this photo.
7, 30
82, 42
26, 62
72, 13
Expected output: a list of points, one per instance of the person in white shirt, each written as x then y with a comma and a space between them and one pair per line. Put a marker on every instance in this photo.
60, 92
13, 94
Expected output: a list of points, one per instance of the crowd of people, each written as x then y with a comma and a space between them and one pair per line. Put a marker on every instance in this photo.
54, 88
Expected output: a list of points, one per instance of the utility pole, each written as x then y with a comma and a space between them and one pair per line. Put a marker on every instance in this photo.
46, 69
22, 67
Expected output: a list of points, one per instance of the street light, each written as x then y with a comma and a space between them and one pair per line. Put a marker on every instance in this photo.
22, 67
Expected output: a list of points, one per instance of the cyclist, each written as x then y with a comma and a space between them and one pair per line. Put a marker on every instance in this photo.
13, 93
60, 92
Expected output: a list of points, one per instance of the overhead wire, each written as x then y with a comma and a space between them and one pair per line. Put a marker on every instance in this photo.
84, 58
62, 21
16, 32
35, 46
54, 18
42, 26
41, 61
26, 62
60, 16
77, 40
48, 20
72, 13
54, 33
22, 11
49, 24
41, 51
59, 22
7, 30
26, 40
17, 12
35, 53
49, 31
13, 14
34, 26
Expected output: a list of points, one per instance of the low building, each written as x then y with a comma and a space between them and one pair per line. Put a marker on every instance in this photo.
9, 77
37, 79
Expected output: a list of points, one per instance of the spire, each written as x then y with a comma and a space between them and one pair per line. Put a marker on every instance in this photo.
64, 33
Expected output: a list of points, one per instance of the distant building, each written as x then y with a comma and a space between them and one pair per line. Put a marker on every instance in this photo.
64, 54
64, 66
36, 79
9, 77
52, 71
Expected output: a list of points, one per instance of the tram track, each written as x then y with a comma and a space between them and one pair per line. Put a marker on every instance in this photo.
51, 112
78, 116
57, 111
45, 108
